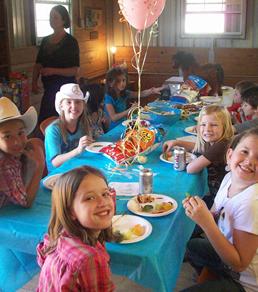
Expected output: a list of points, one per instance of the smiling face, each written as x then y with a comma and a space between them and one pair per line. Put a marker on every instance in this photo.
72, 108
243, 160
210, 128
93, 206
13, 137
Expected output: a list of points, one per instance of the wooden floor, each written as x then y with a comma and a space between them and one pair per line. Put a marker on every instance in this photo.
123, 284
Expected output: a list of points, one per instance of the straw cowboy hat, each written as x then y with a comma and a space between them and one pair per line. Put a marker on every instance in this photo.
69, 91
9, 111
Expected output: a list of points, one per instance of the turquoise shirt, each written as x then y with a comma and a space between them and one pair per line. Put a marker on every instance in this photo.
54, 144
119, 105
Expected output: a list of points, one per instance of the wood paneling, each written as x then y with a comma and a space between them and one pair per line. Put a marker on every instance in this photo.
238, 64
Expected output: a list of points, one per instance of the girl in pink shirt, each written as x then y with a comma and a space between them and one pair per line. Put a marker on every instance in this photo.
73, 256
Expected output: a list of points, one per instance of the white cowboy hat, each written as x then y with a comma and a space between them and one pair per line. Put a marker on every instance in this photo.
9, 111
69, 91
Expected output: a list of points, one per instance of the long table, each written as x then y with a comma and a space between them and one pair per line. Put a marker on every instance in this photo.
154, 262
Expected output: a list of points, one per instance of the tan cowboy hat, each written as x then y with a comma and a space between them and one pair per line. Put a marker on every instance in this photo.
9, 111
69, 91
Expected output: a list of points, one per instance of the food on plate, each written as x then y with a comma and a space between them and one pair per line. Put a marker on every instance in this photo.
168, 155
143, 199
142, 159
97, 145
152, 204
133, 232
158, 208
191, 107
138, 230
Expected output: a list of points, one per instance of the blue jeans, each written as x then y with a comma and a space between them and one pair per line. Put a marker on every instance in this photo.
201, 253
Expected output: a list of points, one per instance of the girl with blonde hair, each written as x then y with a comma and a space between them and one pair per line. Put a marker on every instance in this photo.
214, 134
73, 255
71, 132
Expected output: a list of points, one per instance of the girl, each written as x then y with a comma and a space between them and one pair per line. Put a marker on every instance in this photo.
250, 103
240, 88
70, 134
98, 120
214, 132
72, 256
117, 96
231, 246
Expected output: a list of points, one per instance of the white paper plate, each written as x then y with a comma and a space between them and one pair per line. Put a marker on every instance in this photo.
189, 158
135, 207
210, 99
97, 146
189, 130
50, 181
189, 138
123, 223
196, 119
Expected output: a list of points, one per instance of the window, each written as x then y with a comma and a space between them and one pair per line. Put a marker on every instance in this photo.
217, 18
42, 11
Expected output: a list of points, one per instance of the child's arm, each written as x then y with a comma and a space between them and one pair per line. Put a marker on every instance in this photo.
196, 165
36, 72
168, 145
147, 92
61, 158
35, 152
235, 255
114, 116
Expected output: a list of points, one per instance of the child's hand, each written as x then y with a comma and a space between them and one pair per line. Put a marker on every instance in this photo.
34, 152
168, 145
196, 209
156, 90
83, 142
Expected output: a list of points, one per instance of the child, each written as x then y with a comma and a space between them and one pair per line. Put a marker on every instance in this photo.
231, 246
21, 159
116, 96
98, 121
73, 256
240, 88
214, 132
250, 103
70, 134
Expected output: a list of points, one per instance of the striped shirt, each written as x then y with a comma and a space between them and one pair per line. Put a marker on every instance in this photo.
74, 266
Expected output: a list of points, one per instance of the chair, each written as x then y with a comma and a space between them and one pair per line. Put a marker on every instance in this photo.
45, 123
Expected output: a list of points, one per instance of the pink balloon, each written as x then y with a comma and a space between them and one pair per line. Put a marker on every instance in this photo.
141, 13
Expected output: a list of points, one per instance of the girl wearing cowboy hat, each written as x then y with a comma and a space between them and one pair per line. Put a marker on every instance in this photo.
21, 160
68, 136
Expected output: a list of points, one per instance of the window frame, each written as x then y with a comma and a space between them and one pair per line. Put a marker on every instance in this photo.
51, 2
232, 35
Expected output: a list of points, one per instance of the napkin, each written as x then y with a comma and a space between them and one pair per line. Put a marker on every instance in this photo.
125, 188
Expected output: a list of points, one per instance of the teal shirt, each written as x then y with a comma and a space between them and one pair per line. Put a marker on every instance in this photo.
54, 144
119, 105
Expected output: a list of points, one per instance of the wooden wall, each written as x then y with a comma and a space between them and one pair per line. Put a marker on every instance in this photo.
238, 64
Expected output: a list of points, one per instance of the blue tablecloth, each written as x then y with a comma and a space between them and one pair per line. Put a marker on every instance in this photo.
154, 262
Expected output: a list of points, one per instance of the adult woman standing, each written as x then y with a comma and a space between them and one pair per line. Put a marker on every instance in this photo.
57, 61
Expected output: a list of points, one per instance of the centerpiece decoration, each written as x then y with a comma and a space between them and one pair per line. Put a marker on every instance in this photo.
139, 139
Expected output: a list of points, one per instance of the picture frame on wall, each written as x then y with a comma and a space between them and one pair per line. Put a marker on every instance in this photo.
93, 18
